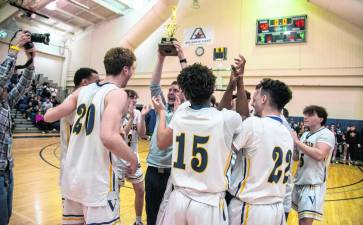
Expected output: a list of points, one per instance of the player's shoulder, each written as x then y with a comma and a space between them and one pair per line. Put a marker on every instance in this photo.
253, 121
327, 134
227, 112
326, 131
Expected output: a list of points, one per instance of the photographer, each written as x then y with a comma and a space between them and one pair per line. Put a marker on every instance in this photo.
8, 101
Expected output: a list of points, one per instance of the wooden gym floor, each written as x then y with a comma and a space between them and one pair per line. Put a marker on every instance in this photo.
37, 196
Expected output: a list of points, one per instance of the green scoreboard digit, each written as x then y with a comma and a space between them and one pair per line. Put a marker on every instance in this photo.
281, 30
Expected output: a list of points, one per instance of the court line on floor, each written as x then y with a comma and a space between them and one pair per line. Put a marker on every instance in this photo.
25, 137
361, 180
339, 192
42, 157
343, 199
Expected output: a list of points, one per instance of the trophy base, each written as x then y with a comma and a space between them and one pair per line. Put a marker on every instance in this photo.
167, 48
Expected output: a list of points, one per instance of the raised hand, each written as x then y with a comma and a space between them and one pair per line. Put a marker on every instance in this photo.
22, 38
294, 136
145, 110
179, 49
240, 63
158, 104
131, 112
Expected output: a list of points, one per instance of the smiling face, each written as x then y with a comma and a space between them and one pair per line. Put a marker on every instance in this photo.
173, 90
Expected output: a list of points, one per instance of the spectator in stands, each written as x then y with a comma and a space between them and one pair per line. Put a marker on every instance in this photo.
34, 87
46, 105
41, 124
54, 101
353, 144
23, 104
45, 91
346, 154
7, 101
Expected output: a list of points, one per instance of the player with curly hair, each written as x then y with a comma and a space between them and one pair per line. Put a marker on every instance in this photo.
202, 137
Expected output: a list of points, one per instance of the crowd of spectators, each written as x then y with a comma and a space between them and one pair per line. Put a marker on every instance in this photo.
37, 100
349, 142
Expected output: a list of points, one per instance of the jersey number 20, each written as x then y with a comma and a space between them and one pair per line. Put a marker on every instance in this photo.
89, 112
196, 164
277, 172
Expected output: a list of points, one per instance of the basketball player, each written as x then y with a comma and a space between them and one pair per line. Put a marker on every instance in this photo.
315, 149
202, 137
134, 126
88, 182
267, 146
82, 77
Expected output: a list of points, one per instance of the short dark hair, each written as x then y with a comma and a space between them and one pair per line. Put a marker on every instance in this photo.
318, 110
116, 58
82, 73
197, 82
213, 100
174, 82
131, 93
279, 93
285, 112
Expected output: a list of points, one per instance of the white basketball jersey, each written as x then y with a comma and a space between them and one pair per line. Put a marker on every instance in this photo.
202, 141
132, 140
267, 146
88, 174
133, 137
309, 170
65, 128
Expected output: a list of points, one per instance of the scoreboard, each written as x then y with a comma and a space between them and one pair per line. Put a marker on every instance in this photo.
281, 30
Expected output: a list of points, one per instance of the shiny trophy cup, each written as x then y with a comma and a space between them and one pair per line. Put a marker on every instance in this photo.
166, 46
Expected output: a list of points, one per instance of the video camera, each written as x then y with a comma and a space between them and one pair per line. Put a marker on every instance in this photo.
39, 38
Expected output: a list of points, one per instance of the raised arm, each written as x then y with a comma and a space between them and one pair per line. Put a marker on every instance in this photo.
115, 102
128, 126
8, 65
156, 76
318, 152
182, 59
141, 126
226, 100
62, 110
24, 82
164, 134
235, 81
242, 102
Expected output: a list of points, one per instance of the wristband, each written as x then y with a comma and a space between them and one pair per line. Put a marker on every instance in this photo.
15, 48
183, 61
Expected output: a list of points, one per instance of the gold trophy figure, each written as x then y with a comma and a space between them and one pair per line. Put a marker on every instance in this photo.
166, 47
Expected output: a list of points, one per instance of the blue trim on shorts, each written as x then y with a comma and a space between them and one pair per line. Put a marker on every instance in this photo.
310, 211
72, 215
243, 210
104, 222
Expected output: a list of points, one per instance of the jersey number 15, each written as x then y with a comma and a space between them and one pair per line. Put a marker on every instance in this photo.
198, 165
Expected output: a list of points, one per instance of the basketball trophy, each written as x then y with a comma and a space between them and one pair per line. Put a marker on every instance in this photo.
166, 46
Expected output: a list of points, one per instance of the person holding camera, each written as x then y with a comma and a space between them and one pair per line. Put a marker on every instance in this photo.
7, 101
